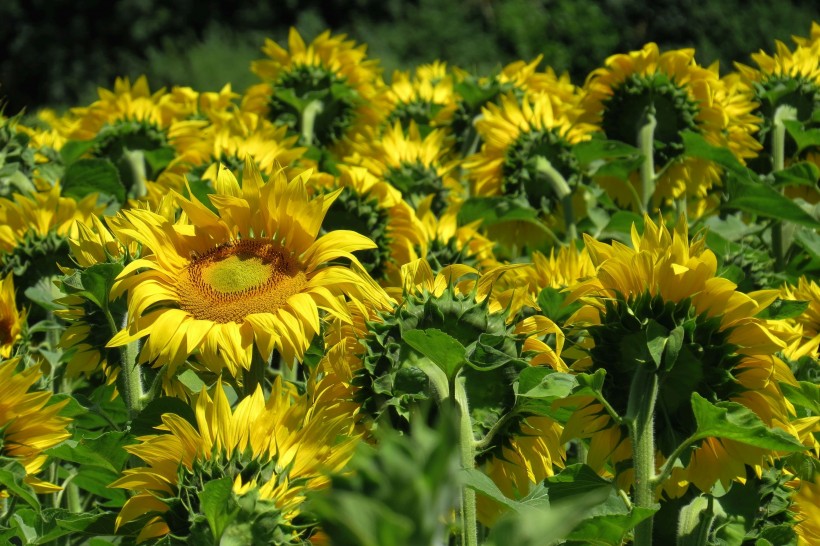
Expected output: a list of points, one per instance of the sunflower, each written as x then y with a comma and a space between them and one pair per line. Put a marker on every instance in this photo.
229, 141
30, 423
33, 232
415, 166
370, 206
788, 77
252, 274
805, 503
667, 283
11, 319
427, 97
278, 449
129, 126
682, 96
807, 324
339, 87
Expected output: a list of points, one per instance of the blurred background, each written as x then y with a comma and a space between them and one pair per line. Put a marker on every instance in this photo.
57, 52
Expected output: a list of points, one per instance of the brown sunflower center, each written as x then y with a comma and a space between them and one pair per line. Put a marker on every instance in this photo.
238, 279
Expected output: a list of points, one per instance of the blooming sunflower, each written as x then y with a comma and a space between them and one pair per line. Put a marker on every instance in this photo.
370, 206
427, 97
33, 232
341, 88
667, 283
279, 449
253, 273
788, 77
30, 423
415, 166
682, 96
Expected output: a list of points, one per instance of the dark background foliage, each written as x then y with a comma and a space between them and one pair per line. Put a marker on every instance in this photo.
56, 52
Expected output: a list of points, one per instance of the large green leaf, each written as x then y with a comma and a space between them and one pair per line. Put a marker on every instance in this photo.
94, 283
697, 146
218, 504
442, 349
11, 481
104, 450
151, 416
539, 387
598, 150
805, 394
87, 176
783, 309
763, 200
733, 421
798, 174
804, 138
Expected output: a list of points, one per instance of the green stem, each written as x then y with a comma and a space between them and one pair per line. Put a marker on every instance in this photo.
646, 142
485, 442
783, 113
313, 109
669, 464
469, 528
472, 139
129, 379
696, 522
640, 419
136, 161
562, 191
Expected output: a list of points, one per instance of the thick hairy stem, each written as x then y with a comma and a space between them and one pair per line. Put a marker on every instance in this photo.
469, 529
640, 419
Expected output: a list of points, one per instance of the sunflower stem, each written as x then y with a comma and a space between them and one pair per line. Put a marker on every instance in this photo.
129, 379
136, 162
313, 109
640, 420
783, 113
646, 142
669, 464
469, 527
562, 191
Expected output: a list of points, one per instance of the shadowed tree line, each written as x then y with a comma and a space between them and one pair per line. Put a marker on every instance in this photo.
58, 51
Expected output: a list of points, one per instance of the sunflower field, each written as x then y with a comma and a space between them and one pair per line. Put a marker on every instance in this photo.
431, 309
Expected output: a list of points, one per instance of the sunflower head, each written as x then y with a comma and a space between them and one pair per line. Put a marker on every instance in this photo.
30, 424
11, 319
666, 287
325, 90
681, 96
270, 453
426, 98
252, 275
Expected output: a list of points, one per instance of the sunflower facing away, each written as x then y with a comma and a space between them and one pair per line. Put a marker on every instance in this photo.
426, 98
684, 97
252, 274
277, 449
726, 354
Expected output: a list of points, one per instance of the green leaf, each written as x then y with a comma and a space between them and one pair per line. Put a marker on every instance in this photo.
218, 504
538, 387
620, 226
734, 421
551, 302
159, 159
590, 383
11, 480
596, 149
441, 348
87, 176
805, 394
74, 150
765, 201
783, 309
577, 479
481, 483
105, 450
610, 529
493, 210
798, 174
697, 146
804, 138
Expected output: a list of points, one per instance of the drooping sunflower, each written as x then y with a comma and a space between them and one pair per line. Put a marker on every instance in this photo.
370, 206
33, 232
682, 96
786, 78
251, 275
30, 423
340, 86
278, 449
519, 137
667, 283
427, 97
416, 166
